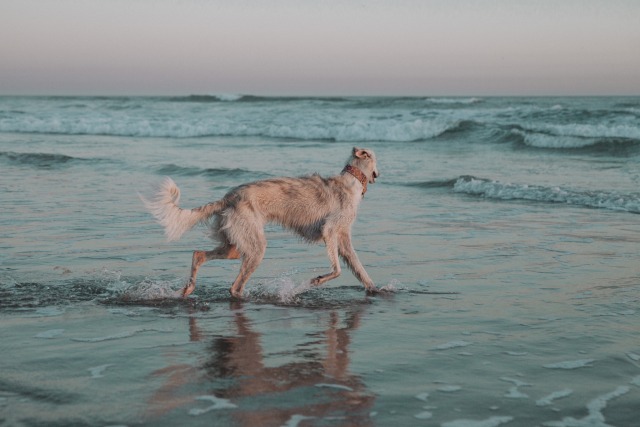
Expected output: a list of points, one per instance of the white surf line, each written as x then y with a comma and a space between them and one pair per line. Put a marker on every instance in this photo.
548, 400
595, 408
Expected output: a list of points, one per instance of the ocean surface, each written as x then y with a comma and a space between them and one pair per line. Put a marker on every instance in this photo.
507, 231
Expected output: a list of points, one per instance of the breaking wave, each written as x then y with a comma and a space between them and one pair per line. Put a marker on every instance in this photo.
496, 190
579, 136
545, 123
503, 191
299, 126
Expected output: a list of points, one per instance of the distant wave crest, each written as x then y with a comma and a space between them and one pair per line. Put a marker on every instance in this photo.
496, 190
175, 170
577, 135
302, 127
231, 97
43, 160
505, 191
454, 100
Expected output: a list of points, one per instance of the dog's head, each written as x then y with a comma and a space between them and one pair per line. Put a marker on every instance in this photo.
365, 160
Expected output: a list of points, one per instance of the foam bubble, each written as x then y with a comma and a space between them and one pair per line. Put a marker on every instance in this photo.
489, 422
514, 392
97, 371
52, 333
217, 403
296, 419
451, 344
422, 396
449, 388
570, 364
425, 415
548, 400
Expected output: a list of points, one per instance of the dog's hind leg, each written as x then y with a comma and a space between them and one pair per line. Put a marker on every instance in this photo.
250, 262
226, 251
332, 252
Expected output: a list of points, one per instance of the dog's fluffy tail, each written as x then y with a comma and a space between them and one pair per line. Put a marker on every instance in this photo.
175, 220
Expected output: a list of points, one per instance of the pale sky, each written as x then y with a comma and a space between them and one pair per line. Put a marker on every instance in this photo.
320, 47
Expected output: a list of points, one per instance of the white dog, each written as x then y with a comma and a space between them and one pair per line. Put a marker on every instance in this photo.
316, 208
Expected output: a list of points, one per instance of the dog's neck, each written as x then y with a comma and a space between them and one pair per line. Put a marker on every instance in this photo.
357, 174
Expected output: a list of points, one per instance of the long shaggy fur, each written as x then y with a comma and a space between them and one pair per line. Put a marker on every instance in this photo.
175, 220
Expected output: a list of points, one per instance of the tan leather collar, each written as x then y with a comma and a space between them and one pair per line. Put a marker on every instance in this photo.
357, 174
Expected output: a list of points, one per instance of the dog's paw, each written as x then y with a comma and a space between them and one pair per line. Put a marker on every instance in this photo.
237, 297
373, 291
188, 289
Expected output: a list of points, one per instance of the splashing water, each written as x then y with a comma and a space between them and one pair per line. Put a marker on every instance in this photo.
152, 289
391, 287
283, 289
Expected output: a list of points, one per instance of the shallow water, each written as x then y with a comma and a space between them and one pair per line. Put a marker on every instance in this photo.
508, 243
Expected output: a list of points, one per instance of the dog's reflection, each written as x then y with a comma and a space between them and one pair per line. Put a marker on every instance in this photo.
313, 382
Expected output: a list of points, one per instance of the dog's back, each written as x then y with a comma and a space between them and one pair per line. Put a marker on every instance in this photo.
304, 205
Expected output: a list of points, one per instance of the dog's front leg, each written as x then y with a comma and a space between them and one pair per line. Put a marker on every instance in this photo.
350, 257
332, 252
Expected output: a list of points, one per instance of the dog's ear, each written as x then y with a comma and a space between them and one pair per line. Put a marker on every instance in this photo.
360, 153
